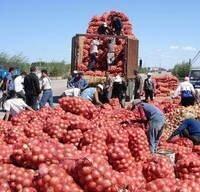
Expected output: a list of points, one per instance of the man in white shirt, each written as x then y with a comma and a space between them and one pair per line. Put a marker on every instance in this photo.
47, 96
187, 92
19, 85
14, 105
93, 54
111, 52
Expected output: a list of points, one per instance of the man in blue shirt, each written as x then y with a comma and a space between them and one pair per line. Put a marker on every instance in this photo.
76, 85
78, 82
156, 121
190, 128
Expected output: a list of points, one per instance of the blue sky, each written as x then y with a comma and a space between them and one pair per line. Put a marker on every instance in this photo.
168, 30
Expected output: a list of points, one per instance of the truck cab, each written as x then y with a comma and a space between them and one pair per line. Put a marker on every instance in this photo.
195, 77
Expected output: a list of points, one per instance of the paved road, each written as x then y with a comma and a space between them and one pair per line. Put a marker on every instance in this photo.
58, 86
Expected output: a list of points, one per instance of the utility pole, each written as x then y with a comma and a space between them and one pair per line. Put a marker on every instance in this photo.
190, 61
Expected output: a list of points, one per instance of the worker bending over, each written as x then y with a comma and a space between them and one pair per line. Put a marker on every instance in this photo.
156, 121
189, 128
95, 95
14, 105
187, 92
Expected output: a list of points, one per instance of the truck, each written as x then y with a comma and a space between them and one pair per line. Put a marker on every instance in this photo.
195, 71
130, 56
195, 77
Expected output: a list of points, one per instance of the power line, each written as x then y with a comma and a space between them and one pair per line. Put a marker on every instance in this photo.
196, 57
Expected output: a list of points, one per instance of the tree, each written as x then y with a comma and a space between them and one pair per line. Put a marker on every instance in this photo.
55, 68
14, 61
144, 70
181, 70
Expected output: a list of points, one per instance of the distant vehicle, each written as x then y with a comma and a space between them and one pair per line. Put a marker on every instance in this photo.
195, 77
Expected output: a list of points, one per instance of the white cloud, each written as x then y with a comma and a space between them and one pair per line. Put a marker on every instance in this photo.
188, 48
174, 47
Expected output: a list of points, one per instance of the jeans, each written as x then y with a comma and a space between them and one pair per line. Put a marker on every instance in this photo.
194, 138
47, 97
155, 131
31, 100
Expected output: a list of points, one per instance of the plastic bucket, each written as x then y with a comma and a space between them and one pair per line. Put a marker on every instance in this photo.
167, 153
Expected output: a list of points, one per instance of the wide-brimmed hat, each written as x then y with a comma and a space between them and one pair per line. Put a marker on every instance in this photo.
100, 86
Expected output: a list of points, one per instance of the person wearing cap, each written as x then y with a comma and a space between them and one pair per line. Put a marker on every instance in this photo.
103, 29
189, 128
73, 76
94, 94
74, 73
119, 90
14, 105
138, 85
149, 87
76, 85
186, 91
155, 119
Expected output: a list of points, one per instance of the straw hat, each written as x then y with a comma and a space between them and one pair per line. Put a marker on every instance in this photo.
100, 86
